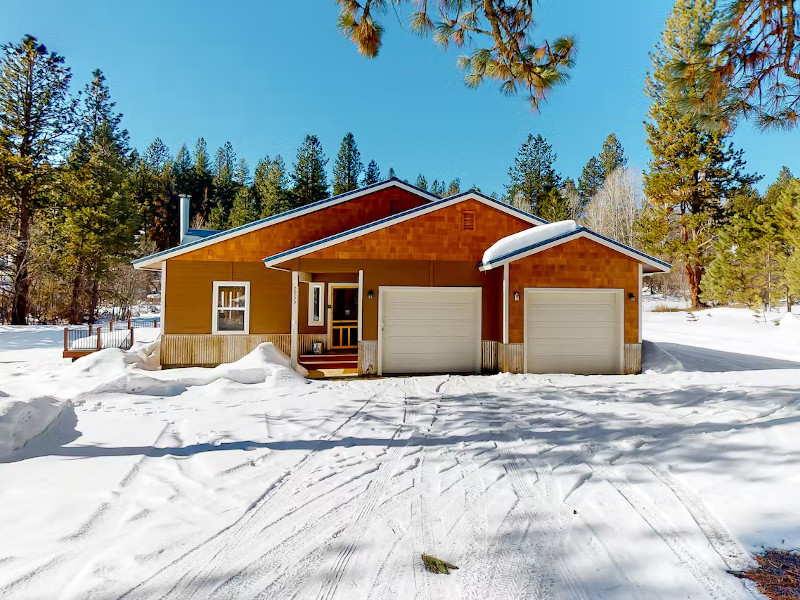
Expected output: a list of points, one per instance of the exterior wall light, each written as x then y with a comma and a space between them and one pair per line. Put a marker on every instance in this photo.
631, 297
516, 296
370, 294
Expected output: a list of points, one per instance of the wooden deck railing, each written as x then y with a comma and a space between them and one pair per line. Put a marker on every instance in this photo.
82, 341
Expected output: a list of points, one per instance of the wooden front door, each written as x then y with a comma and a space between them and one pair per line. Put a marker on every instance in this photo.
344, 316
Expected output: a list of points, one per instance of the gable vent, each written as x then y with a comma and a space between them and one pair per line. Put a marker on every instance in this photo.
468, 220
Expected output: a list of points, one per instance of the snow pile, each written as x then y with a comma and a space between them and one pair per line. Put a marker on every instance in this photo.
657, 360
21, 420
263, 363
527, 238
145, 355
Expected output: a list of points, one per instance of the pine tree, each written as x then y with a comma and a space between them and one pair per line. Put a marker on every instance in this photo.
373, 173
421, 182
202, 181
454, 187
35, 120
245, 209
438, 188
271, 186
612, 156
348, 167
533, 177
591, 179
788, 217
98, 217
156, 195
391, 174
693, 171
224, 184
309, 181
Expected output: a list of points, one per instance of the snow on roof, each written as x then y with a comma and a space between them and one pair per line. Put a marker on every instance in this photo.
527, 238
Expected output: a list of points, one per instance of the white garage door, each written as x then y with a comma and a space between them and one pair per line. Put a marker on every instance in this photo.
429, 330
573, 331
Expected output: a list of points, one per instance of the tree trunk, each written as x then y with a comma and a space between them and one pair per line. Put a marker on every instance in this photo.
694, 274
95, 301
74, 305
19, 302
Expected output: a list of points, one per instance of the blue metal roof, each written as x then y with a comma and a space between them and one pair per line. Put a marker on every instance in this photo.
509, 255
389, 219
313, 205
203, 233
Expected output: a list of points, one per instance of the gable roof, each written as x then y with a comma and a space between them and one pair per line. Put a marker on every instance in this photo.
653, 264
213, 238
192, 235
399, 218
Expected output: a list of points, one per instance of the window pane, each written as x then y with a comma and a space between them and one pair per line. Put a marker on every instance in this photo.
230, 296
230, 320
317, 304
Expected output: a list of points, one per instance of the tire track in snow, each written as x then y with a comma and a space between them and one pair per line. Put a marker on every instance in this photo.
716, 583
187, 575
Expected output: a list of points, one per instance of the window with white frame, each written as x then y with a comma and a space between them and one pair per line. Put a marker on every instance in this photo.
231, 307
316, 304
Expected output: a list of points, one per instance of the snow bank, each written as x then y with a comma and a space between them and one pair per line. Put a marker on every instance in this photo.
21, 420
529, 237
657, 360
263, 363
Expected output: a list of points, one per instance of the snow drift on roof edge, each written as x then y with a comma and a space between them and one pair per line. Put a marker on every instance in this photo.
527, 238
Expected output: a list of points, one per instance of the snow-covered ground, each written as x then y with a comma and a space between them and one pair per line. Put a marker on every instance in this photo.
247, 481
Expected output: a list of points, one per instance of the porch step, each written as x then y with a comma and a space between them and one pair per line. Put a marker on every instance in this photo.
330, 361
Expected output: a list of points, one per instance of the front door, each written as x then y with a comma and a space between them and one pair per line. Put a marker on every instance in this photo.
344, 317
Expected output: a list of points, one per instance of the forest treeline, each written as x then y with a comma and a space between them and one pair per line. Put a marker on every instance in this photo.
77, 202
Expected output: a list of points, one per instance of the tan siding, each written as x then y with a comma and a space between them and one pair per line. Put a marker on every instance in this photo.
189, 294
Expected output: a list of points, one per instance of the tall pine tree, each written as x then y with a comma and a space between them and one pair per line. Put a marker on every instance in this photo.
35, 121
373, 173
693, 171
534, 182
271, 185
348, 167
310, 183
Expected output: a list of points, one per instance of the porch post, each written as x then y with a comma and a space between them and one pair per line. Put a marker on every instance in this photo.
360, 302
295, 331
505, 303
163, 296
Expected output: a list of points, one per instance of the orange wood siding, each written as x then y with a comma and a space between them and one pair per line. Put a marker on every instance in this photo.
581, 263
189, 295
439, 236
257, 245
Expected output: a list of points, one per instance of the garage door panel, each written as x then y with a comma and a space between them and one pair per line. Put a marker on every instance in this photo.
573, 331
430, 330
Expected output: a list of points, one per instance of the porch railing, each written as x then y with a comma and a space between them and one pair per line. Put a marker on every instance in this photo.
82, 341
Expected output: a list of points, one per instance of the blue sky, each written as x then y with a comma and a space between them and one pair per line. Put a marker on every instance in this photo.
263, 74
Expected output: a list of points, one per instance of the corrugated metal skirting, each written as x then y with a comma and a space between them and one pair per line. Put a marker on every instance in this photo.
489, 356
633, 359
367, 357
511, 358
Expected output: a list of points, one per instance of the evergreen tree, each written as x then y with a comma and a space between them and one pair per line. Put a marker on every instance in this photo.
348, 167
391, 174
373, 173
788, 216
98, 217
533, 178
749, 261
156, 195
421, 182
202, 181
35, 120
245, 209
224, 184
454, 187
591, 180
309, 181
271, 186
612, 156
693, 171
438, 188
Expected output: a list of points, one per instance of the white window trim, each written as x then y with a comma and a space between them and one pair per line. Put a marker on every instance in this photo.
215, 309
318, 285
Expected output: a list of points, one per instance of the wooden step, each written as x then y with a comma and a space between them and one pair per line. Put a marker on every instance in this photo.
327, 357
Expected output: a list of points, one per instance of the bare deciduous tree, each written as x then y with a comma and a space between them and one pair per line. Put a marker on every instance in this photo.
613, 210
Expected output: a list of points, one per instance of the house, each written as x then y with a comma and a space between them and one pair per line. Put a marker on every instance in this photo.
391, 279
